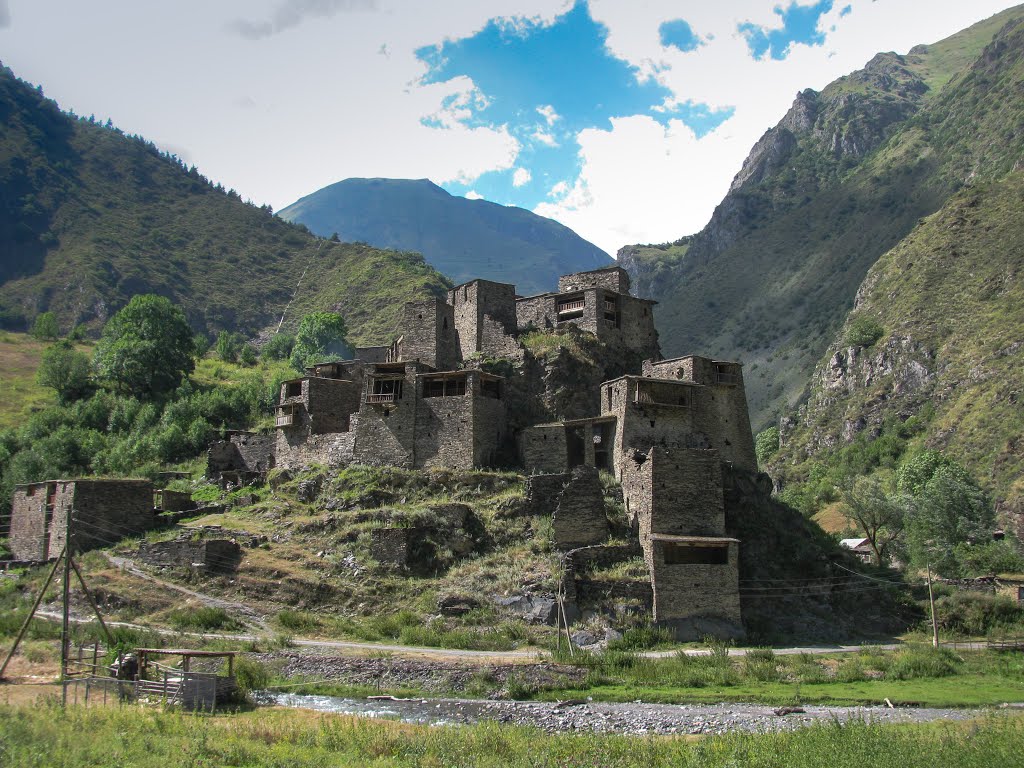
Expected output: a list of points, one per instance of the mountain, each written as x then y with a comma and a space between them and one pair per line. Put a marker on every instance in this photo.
90, 217
932, 354
462, 238
842, 179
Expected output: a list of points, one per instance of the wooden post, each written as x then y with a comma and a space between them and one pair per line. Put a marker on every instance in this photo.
165, 687
35, 606
931, 601
65, 625
92, 602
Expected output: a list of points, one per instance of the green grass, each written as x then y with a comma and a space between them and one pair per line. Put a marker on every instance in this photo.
914, 674
102, 738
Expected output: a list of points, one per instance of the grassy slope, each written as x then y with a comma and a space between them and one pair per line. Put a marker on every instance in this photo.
952, 291
89, 217
772, 277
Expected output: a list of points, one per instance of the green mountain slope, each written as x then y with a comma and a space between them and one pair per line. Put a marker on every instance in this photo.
90, 217
838, 182
946, 305
462, 238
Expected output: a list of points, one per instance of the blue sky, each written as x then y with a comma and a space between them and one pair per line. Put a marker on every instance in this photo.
624, 120
547, 82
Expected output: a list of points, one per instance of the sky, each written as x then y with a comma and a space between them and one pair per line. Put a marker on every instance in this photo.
625, 120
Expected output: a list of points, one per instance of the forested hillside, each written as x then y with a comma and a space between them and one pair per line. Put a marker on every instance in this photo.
90, 217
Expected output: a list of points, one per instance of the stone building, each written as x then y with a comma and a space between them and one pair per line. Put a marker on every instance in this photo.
103, 512
675, 497
597, 301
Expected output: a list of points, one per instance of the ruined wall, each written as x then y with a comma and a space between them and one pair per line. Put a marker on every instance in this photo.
385, 432
543, 449
242, 453
542, 493
490, 425
723, 405
372, 354
696, 599
636, 328
579, 519
175, 501
210, 555
485, 317
611, 278
429, 334
109, 511
390, 546
30, 523
296, 449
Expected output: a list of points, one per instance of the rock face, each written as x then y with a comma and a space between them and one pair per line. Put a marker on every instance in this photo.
841, 179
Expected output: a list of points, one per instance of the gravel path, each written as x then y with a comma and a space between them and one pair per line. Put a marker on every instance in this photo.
635, 718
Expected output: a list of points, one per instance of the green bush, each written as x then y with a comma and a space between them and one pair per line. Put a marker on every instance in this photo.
202, 619
863, 331
641, 638
298, 621
766, 445
976, 614
249, 674
45, 327
915, 662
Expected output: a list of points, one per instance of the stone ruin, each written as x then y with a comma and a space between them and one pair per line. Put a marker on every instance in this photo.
664, 430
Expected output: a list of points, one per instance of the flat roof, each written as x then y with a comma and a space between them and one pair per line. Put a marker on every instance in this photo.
481, 280
685, 382
695, 540
581, 290
609, 268
460, 372
88, 480
687, 357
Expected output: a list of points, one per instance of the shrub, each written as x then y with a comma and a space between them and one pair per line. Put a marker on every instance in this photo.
761, 664
922, 661
974, 613
249, 674
766, 445
202, 619
45, 327
298, 621
863, 331
279, 347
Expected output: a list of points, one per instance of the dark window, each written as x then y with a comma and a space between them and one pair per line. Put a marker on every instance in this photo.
293, 389
450, 387
689, 554
491, 388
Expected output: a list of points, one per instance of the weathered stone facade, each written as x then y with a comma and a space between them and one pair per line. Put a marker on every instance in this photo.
579, 520
390, 546
485, 318
207, 555
240, 452
675, 498
103, 512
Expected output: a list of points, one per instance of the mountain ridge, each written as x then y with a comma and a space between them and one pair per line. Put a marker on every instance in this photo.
462, 238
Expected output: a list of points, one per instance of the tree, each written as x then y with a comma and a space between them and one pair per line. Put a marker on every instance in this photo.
875, 514
147, 348
229, 346
321, 335
766, 445
45, 327
950, 510
65, 370
279, 347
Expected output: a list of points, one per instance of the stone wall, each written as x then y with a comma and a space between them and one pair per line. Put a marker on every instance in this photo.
372, 354
107, 510
537, 312
429, 334
297, 449
174, 501
243, 452
636, 328
543, 449
385, 433
610, 278
330, 403
579, 519
210, 555
444, 432
485, 317
694, 599
542, 493
490, 425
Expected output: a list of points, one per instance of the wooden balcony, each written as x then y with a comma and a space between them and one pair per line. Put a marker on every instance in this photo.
284, 420
571, 306
384, 397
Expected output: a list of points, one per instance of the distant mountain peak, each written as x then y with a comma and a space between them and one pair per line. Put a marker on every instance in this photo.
461, 237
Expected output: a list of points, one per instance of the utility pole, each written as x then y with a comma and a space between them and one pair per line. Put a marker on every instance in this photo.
931, 601
65, 627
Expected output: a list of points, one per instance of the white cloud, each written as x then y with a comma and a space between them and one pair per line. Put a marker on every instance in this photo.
543, 137
520, 177
473, 195
561, 188
549, 114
